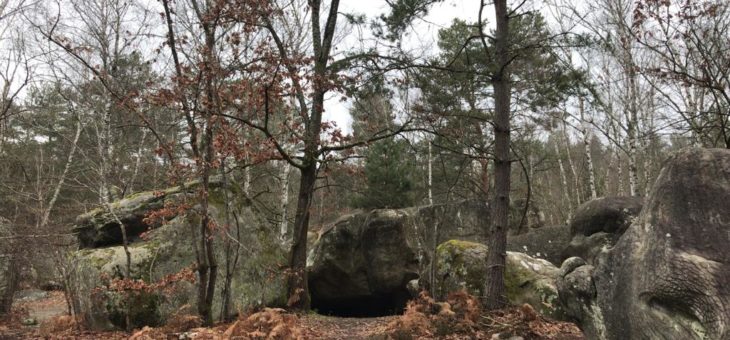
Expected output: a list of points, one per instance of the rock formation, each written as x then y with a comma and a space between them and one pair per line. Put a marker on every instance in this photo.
367, 259
598, 224
547, 243
371, 263
168, 249
668, 275
462, 265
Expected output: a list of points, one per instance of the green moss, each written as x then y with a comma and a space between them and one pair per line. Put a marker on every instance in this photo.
460, 264
143, 258
141, 307
453, 246
524, 285
98, 258
516, 277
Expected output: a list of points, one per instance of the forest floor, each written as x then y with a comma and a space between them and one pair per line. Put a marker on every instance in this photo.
42, 315
330, 327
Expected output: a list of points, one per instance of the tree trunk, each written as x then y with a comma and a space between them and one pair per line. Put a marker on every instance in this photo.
632, 122
297, 286
298, 289
484, 168
576, 182
633, 171
430, 175
620, 174
231, 250
564, 178
587, 147
495, 290
59, 185
284, 226
129, 189
208, 267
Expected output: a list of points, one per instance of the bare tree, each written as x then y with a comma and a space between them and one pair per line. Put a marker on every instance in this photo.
689, 39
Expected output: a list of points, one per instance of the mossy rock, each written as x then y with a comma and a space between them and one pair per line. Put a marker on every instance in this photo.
531, 280
459, 266
142, 309
462, 265
256, 280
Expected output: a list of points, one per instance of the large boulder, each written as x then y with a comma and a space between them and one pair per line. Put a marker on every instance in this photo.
547, 243
8, 267
667, 276
168, 249
99, 227
598, 224
365, 263
462, 265
362, 264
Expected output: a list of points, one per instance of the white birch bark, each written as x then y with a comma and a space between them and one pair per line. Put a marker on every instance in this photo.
576, 182
620, 174
632, 122
284, 226
138, 159
564, 179
587, 145
430, 175
62, 179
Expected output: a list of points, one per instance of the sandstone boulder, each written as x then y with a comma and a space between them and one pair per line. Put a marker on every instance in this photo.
462, 265
547, 243
598, 224
168, 249
667, 276
362, 264
371, 263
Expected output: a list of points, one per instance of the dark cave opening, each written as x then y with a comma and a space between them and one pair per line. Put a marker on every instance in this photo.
363, 307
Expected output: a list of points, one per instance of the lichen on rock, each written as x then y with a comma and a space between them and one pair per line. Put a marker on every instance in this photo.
462, 265
169, 248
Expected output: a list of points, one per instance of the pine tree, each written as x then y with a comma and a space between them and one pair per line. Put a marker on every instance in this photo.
388, 171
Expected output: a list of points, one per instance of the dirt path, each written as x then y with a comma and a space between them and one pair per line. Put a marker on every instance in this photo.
30, 309
329, 327
44, 307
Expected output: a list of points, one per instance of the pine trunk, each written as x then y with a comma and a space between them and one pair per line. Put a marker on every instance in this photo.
495, 290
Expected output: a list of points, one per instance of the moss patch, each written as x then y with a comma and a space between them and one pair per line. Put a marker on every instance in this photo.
142, 308
460, 265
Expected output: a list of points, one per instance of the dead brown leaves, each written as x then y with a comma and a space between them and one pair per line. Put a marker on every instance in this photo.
460, 317
270, 324
58, 325
526, 322
424, 317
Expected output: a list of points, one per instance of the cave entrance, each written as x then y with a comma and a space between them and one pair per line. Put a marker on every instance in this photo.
363, 307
